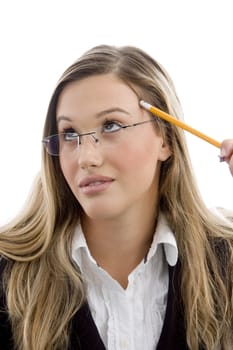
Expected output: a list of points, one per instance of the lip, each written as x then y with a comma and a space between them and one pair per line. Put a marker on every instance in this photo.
95, 184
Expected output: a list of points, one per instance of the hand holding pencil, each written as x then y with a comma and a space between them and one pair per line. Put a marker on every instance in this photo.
227, 153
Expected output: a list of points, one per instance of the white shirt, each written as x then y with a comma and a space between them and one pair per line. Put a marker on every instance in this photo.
130, 318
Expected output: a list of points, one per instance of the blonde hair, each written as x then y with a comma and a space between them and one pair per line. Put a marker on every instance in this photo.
45, 289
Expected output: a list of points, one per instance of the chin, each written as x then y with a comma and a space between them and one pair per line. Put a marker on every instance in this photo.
100, 212
100, 216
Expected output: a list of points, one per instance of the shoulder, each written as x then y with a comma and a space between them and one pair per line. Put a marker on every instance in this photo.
222, 245
5, 326
3, 265
220, 265
223, 213
226, 213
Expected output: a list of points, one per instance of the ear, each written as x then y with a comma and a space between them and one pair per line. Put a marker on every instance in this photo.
164, 152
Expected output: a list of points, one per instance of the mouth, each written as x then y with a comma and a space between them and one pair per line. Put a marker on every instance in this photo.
95, 185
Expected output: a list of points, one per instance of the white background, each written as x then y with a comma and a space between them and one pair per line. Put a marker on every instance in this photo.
39, 39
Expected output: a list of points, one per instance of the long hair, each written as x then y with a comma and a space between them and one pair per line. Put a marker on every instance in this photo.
44, 288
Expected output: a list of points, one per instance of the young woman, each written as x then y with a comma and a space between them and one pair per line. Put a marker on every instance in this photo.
115, 248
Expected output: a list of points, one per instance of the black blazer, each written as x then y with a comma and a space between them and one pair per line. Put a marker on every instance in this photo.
84, 334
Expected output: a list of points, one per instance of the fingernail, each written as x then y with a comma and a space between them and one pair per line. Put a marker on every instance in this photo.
222, 158
223, 152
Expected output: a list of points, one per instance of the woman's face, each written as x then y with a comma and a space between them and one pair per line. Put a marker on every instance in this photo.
118, 174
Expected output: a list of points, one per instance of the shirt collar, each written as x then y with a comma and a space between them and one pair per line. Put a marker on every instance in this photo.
163, 235
79, 239
79, 243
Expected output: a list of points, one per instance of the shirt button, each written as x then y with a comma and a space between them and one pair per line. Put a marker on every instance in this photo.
124, 343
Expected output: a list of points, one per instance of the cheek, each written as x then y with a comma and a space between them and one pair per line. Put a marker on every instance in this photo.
138, 157
68, 170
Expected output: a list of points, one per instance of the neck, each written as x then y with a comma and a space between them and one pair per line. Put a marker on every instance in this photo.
119, 245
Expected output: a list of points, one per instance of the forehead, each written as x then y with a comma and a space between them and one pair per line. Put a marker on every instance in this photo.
93, 94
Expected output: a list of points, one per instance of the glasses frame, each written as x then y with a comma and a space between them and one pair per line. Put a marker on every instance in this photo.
77, 136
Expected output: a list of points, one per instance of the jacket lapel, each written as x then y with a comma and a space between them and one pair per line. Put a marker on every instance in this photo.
84, 333
173, 335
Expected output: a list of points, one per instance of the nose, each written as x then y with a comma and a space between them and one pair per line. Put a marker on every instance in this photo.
89, 152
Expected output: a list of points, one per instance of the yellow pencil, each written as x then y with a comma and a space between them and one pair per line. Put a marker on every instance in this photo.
157, 112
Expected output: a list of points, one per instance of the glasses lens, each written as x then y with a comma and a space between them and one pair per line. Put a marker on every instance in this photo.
52, 145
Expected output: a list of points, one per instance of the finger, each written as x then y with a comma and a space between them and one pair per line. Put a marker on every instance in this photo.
231, 165
226, 149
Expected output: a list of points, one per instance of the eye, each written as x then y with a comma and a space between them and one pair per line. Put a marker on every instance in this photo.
70, 136
111, 126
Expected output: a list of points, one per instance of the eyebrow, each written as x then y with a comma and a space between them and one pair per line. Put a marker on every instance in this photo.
98, 115
112, 110
63, 117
